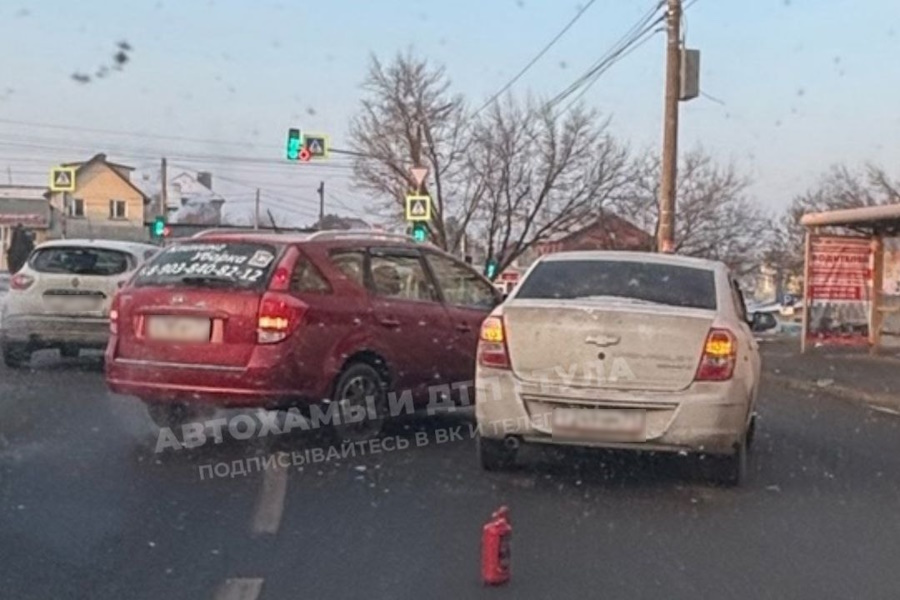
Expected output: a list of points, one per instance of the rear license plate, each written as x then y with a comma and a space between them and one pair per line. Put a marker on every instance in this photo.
73, 304
178, 329
627, 424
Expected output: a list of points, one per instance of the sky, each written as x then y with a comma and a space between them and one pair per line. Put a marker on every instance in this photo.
790, 86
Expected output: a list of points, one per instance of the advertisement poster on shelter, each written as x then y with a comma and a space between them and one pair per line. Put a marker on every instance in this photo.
839, 276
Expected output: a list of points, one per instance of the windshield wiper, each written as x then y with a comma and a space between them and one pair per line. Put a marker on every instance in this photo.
206, 280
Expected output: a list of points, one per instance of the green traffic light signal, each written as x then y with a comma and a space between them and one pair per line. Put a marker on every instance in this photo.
159, 227
419, 232
490, 269
294, 144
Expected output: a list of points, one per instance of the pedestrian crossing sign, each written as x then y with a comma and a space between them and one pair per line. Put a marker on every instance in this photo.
418, 208
316, 144
62, 179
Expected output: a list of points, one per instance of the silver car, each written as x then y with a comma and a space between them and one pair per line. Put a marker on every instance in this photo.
620, 350
61, 297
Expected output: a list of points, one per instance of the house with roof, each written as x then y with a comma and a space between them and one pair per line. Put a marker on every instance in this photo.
105, 203
191, 200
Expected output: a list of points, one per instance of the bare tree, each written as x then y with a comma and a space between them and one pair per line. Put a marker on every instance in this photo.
410, 118
714, 217
543, 173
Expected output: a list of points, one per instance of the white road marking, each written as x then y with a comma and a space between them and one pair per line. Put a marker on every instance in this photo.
270, 504
239, 589
885, 409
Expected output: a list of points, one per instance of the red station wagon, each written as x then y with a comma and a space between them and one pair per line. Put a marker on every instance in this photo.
274, 320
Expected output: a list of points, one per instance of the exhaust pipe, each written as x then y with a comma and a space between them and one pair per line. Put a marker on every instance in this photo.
512, 443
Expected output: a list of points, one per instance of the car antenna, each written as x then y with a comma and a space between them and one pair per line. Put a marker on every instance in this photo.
272, 220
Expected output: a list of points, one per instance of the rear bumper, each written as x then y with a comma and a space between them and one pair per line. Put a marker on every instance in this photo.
708, 417
263, 382
40, 331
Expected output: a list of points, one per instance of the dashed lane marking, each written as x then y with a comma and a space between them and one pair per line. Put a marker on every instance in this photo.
239, 589
270, 504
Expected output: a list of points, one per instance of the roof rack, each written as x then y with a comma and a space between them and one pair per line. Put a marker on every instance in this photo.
214, 231
339, 234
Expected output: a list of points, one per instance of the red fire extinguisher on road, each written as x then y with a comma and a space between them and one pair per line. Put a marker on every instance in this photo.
495, 549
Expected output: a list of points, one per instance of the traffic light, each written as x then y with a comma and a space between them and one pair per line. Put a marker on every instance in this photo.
490, 268
294, 144
419, 231
159, 227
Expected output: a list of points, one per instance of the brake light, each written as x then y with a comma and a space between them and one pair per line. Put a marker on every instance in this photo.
492, 344
114, 316
279, 315
21, 282
719, 356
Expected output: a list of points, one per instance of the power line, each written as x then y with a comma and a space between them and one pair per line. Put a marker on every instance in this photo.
611, 56
537, 57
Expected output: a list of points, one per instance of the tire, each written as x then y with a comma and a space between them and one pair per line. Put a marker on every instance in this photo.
69, 351
494, 455
16, 356
172, 416
353, 387
731, 470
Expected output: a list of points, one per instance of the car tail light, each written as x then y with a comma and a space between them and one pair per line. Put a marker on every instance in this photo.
492, 344
114, 316
21, 282
719, 356
279, 315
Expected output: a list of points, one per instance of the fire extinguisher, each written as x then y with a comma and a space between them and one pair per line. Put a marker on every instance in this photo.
495, 549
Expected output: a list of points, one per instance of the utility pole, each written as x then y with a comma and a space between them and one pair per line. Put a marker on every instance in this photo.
669, 171
321, 191
256, 213
164, 190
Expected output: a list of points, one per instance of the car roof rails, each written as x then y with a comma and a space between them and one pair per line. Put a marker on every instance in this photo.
340, 234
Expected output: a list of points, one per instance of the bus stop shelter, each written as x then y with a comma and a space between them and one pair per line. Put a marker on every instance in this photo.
869, 227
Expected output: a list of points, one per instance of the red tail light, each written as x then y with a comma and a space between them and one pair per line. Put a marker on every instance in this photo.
719, 356
492, 344
21, 282
279, 315
114, 316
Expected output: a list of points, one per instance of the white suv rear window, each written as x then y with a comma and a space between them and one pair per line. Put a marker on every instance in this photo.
81, 261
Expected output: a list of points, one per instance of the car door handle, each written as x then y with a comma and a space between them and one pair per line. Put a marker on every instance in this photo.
463, 327
389, 322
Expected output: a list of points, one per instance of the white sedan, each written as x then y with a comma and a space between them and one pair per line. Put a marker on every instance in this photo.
61, 297
620, 350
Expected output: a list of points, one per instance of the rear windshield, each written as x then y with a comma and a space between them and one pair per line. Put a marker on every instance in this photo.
646, 282
81, 261
230, 265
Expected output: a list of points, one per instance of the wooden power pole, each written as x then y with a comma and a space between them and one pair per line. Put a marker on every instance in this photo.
669, 171
321, 191
256, 212
163, 208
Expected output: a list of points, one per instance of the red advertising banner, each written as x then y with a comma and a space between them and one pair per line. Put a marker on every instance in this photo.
839, 287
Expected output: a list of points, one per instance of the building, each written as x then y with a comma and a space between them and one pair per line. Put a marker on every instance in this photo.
191, 200
105, 203
24, 205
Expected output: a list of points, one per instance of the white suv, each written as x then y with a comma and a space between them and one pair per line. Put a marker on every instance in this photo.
61, 297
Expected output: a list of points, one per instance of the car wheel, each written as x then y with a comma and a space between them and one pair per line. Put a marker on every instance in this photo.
69, 352
732, 469
360, 388
16, 356
494, 455
168, 415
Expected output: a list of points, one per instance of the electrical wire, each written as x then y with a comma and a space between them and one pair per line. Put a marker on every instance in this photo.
536, 58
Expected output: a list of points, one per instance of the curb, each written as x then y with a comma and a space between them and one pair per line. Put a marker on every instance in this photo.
883, 402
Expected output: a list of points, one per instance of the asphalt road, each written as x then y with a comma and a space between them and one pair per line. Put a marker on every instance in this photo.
88, 510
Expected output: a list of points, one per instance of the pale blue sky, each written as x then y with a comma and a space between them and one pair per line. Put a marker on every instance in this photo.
806, 83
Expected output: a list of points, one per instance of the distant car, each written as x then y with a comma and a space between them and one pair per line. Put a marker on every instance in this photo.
277, 320
61, 297
763, 323
619, 350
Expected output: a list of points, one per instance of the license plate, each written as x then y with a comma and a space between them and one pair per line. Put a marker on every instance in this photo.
73, 304
613, 423
178, 329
